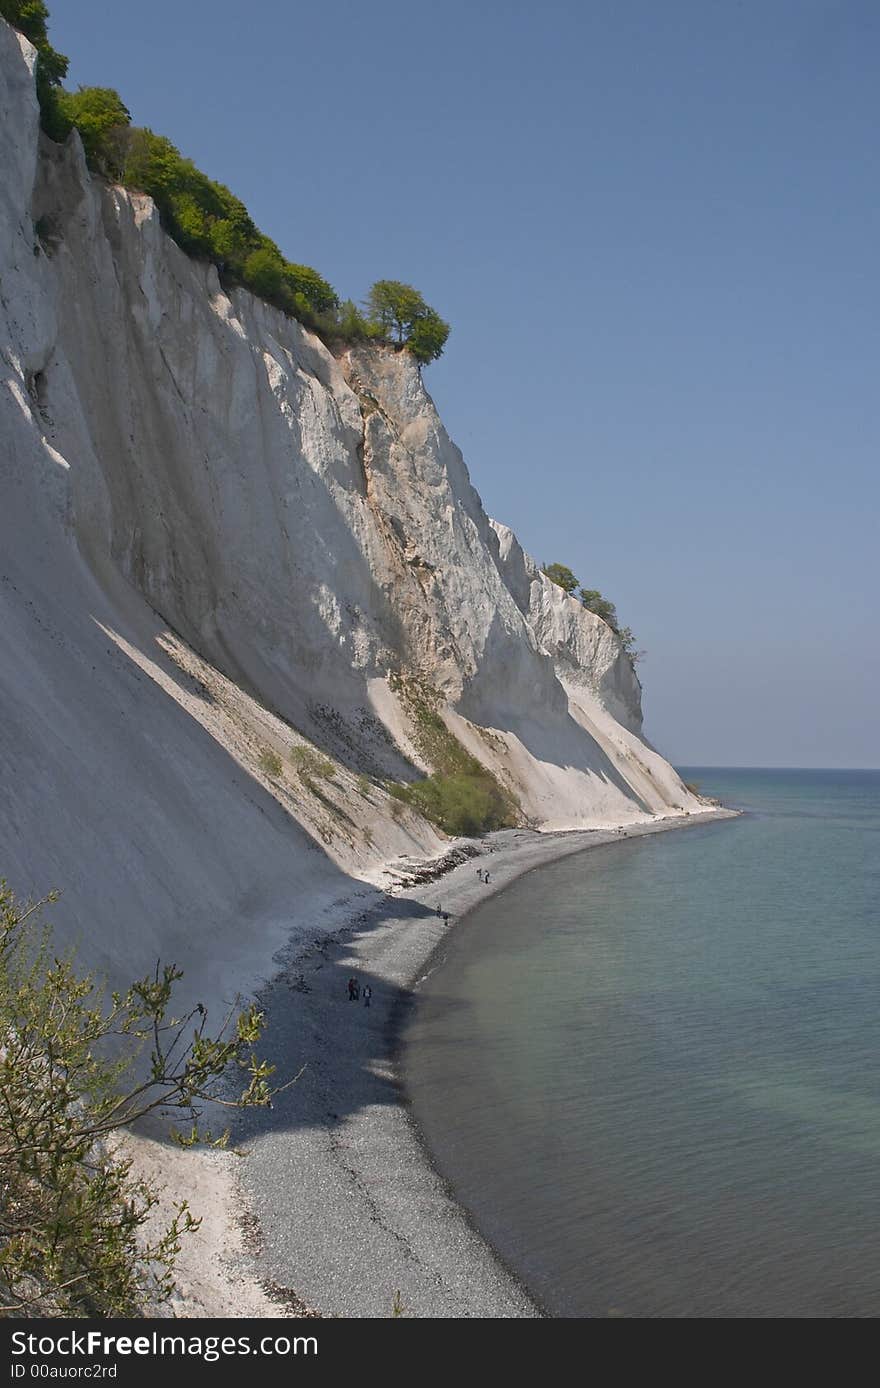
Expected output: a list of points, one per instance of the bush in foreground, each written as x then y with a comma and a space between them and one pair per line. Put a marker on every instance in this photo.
72, 1215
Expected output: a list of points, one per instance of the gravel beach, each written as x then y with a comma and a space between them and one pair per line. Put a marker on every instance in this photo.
351, 1215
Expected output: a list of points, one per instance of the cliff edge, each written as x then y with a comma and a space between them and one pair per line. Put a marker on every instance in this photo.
235, 570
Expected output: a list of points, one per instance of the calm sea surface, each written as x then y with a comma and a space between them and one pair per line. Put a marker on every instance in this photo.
651, 1072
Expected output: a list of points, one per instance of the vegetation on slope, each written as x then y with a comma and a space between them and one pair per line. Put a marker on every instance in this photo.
206, 220
72, 1215
593, 601
461, 796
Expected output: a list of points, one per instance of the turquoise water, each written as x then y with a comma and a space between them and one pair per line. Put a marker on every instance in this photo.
651, 1072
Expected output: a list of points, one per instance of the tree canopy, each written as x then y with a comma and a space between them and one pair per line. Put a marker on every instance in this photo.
594, 602
30, 18
101, 118
562, 576
399, 309
205, 219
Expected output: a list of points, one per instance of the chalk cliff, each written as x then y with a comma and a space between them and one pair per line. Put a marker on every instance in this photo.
218, 541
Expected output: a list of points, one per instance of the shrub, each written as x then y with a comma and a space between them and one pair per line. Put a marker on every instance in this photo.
562, 576
628, 642
101, 118
71, 1213
263, 273
270, 764
468, 803
593, 601
462, 796
29, 17
310, 765
204, 217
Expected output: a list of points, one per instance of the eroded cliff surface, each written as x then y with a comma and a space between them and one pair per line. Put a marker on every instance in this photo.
220, 542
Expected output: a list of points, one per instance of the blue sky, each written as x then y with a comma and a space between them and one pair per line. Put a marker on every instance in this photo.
655, 230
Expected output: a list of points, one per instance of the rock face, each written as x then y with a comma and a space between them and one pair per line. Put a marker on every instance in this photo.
218, 542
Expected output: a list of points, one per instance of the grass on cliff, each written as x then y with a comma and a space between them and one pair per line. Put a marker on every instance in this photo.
461, 796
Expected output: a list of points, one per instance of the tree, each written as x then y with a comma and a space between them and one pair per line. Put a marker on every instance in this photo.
593, 601
399, 309
306, 283
395, 307
561, 576
99, 115
428, 337
627, 639
264, 273
71, 1213
29, 17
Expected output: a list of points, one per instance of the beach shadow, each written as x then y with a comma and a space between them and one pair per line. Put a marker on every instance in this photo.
346, 1053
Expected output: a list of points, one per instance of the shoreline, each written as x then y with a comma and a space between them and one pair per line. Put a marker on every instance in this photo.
350, 1212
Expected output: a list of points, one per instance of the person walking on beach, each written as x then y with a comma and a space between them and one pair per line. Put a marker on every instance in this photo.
352, 990
368, 993
487, 879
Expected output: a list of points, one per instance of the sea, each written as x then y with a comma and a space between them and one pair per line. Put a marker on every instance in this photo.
650, 1072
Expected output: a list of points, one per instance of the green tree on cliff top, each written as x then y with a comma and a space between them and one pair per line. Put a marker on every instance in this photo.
399, 311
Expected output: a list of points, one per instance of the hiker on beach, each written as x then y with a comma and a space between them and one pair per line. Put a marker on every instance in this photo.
353, 990
487, 879
368, 993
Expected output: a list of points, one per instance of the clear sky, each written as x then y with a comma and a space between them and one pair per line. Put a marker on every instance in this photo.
655, 231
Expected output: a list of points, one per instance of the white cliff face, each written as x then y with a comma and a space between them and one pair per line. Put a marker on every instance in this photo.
218, 540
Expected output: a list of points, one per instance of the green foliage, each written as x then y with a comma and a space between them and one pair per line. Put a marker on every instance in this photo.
307, 285
593, 601
395, 307
562, 576
204, 217
72, 1239
399, 309
310, 765
353, 326
469, 803
270, 764
462, 796
428, 337
628, 642
102, 121
263, 272
29, 17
